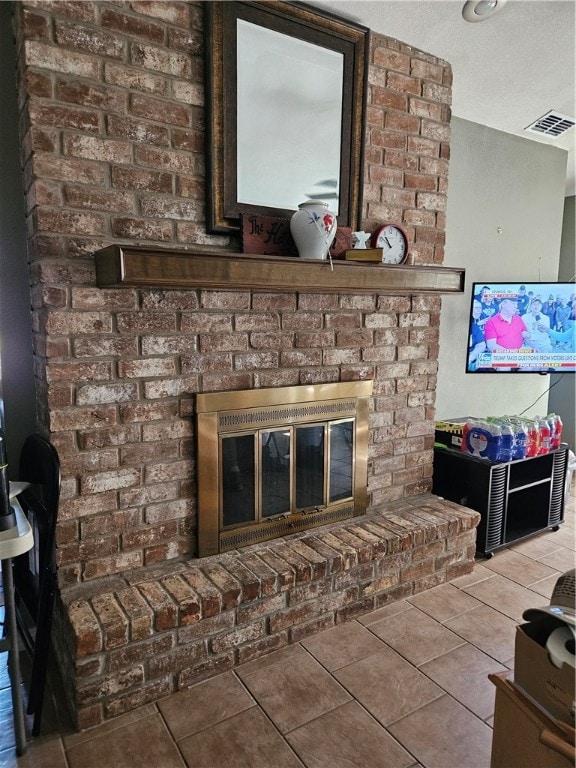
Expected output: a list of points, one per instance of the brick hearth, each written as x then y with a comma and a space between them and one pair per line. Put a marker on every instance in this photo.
135, 639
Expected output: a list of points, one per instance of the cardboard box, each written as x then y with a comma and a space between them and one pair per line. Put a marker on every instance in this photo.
552, 688
523, 736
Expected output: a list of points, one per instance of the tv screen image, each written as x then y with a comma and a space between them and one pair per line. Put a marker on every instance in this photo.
522, 328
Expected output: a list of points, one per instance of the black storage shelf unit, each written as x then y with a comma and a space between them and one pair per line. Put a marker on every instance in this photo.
516, 499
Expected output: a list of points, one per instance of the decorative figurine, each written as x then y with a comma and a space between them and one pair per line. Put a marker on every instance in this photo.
360, 239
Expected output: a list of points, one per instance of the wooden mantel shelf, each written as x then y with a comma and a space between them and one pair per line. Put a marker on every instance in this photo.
130, 266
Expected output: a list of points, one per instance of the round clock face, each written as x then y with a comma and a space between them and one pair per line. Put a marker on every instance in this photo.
393, 242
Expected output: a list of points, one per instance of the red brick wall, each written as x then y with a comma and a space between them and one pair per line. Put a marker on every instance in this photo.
112, 132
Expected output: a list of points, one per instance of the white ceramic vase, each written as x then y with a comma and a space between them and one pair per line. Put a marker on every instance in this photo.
313, 228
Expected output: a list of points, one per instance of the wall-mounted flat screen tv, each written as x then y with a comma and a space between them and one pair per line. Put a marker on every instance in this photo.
522, 328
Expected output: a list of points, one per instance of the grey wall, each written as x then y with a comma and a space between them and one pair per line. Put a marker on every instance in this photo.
568, 244
16, 372
504, 222
563, 396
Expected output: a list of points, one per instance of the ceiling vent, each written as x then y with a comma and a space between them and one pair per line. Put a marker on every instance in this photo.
551, 124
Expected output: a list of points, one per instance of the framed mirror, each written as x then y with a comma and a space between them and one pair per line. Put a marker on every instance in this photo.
285, 95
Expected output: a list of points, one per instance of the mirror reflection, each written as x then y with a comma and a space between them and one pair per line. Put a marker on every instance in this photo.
281, 82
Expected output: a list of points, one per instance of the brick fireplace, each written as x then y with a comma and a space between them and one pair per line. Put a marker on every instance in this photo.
112, 136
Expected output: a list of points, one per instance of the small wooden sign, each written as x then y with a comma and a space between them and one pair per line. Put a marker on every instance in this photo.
266, 235
342, 242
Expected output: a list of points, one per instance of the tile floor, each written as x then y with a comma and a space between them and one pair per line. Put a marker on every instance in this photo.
403, 687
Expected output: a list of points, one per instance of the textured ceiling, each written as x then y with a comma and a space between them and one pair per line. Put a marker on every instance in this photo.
508, 70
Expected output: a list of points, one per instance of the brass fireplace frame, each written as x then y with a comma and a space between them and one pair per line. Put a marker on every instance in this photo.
233, 412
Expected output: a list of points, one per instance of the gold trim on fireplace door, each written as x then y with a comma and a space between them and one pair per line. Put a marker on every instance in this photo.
227, 413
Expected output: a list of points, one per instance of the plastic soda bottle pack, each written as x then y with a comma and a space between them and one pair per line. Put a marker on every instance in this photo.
508, 438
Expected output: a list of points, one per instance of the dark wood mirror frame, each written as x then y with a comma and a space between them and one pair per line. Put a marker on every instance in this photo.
222, 207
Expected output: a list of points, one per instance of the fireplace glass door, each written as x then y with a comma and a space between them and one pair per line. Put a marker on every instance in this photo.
274, 472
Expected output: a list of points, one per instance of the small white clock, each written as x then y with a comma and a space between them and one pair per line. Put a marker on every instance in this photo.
394, 243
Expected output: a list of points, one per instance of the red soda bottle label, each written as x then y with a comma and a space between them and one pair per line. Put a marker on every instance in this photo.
533, 441
544, 429
557, 440
463, 444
